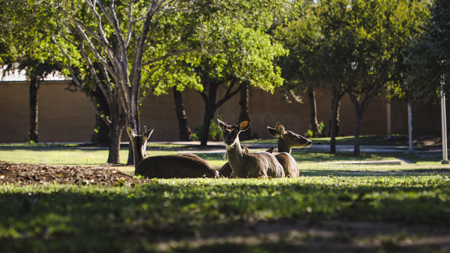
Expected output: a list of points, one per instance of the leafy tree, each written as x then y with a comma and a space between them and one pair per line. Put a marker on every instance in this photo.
309, 67
234, 54
356, 47
427, 58
376, 35
137, 45
26, 49
126, 46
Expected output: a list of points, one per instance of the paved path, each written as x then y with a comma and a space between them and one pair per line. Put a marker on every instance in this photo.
313, 148
219, 147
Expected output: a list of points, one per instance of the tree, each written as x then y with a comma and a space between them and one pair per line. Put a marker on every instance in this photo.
303, 68
375, 33
125, 46
26, 49
427, 58
354, 47
234, 54
36, 73
137, 44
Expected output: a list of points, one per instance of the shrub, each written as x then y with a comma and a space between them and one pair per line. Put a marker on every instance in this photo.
215, 133
322, 130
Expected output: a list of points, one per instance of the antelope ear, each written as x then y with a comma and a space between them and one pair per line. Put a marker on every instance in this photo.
273, 132
244, 125
148, 134
131, 133
222, 125
280, 129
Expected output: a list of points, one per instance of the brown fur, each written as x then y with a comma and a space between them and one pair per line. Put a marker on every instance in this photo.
226, 170
171, 166
286, 141
248, 165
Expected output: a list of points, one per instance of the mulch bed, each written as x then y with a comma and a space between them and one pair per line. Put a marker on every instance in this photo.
25, 174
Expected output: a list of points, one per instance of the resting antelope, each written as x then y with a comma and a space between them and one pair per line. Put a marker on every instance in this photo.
286, 141
245, 165
170, 166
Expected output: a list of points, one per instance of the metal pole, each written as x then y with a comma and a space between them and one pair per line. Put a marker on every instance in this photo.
410, 150
444, 124
388, 121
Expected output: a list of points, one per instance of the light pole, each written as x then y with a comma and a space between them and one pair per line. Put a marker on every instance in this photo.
410, 150
444, 124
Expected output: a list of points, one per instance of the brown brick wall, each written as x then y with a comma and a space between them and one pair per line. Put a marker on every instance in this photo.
66, 116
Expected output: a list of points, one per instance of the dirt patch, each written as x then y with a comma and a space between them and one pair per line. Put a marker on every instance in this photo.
25, 174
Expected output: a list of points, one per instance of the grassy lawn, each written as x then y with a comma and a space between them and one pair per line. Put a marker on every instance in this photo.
57, 218
226, 215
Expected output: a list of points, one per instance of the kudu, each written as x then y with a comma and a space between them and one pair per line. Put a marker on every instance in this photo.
286, 141
248, 165
170, 166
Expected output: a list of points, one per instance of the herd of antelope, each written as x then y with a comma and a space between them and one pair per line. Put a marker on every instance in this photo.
241, 163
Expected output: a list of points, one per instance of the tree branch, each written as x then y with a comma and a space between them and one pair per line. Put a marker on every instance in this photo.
96, 53
80, 85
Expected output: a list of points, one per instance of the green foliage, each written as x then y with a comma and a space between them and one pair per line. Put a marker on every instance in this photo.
322, 130
427, 58
215, 133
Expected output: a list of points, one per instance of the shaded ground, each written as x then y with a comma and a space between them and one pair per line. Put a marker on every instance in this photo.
290, 235
25, 174
322, 236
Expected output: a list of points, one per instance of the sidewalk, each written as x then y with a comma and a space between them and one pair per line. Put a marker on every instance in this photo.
313, 148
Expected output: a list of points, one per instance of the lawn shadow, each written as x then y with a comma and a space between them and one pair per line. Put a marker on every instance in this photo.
377, 173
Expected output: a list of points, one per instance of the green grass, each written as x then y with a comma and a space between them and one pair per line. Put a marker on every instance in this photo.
62, 154
67, 218
164, 214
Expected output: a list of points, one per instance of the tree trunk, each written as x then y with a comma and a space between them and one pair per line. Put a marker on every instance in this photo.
185, 131
245, 96
334, 121
211, 105
118, 121
205, 127
360, 107
34, 110
313, 112
210, 109
130, 146
357, 151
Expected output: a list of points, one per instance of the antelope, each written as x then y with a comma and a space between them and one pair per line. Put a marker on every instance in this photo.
170, 166
286, 141
226, 170
248, 165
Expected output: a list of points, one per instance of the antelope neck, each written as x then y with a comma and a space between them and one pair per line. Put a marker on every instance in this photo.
137, 149
235, 154
283, 148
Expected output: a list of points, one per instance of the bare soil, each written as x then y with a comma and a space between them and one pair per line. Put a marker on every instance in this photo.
25, 174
